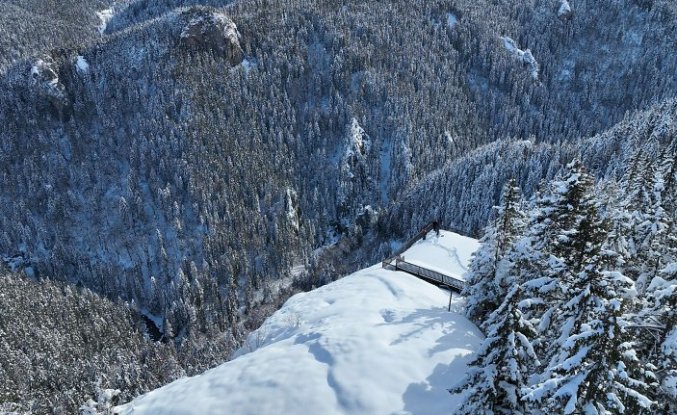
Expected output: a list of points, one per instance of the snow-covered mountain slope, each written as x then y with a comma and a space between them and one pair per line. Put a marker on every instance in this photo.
374, 342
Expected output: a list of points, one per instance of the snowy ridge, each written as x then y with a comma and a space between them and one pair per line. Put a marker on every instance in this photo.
374, 342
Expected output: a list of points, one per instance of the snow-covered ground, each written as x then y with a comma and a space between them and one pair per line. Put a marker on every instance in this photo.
374, 342
448, 254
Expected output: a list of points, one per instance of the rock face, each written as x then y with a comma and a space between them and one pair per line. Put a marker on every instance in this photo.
356, 172
45, 75
213, 31
564, 11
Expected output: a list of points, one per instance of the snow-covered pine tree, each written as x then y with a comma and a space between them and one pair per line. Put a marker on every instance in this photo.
663, 243
668, 169
617, 239
654, 256
661, 293
596, 370
636, 178
565, 234
666, 299
232, 306
643, 218
662, 297
658, 247
486, 287
497, 376
593, 365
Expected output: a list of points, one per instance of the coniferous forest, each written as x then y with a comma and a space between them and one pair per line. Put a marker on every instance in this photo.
576, 292
172, 171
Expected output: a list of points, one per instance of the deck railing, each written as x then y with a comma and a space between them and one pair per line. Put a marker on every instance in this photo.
399, 264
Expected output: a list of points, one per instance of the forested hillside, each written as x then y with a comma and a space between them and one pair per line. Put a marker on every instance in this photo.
62, 346
201, 159
32, 27
458, 193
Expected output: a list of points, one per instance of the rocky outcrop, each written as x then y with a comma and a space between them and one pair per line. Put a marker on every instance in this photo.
46, 77
525, 56
213, 31
356, 173
564, 11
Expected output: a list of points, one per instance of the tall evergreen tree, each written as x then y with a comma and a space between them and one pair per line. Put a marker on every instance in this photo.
593, 365
486, 286
498, 375
663, 288
644, 218
652, 263
596, 369
662, 350
565, 235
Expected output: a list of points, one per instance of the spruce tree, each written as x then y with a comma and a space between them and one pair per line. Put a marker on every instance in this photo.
596, 369
644, 219
656, 319
663, 289
662, 350
486, 286
498, 375
565, 235
593, 365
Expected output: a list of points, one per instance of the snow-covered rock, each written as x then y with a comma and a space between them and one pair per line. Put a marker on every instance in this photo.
292, 208
81, 64
356, 174
452, 20
46, 78
210, 30
104, 17
44, 71
525, 56
248, 64
564, 11
374, 342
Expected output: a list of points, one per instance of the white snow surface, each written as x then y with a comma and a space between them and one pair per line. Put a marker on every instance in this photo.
452, 20
449, 254
82, 64
374, 342
248, 64
523, 55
